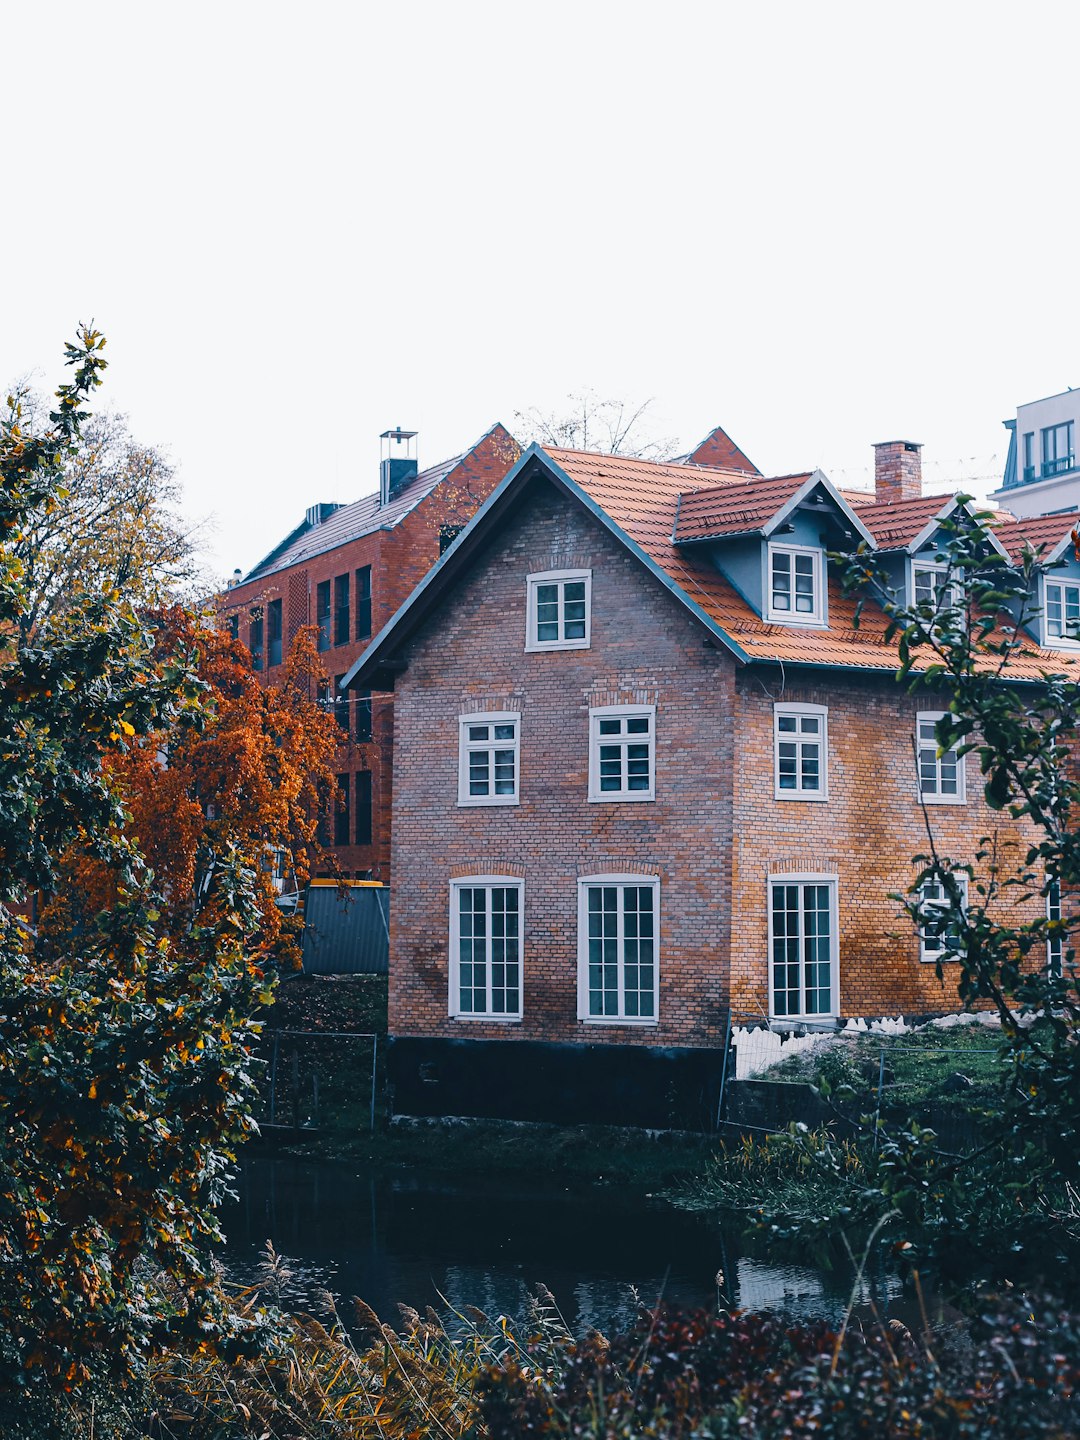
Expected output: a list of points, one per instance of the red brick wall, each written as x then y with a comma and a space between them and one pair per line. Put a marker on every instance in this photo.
399, 560
866, 834
713, 834
471, 657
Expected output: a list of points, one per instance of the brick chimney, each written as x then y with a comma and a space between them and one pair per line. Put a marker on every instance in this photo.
897, 471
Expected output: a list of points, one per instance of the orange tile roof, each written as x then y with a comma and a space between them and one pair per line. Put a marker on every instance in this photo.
1036, 531
730, 509
641, 497
896, 525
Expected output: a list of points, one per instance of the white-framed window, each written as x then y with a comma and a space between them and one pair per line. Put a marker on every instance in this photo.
1055, 944
1061, 613
932, 585
488, 751
618, 949
558, 610
622, 752
942, 778
796, 585
935, 927
1057, 449
485, 947
801, 751
803, 947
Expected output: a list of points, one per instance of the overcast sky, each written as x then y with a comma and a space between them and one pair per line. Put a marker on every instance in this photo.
819, 225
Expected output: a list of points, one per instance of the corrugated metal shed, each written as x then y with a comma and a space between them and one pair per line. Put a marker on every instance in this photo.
346, 934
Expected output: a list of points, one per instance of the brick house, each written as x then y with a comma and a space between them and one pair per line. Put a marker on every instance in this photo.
347, 568
649, 773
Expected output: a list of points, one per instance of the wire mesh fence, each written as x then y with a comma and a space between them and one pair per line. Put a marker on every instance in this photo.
947, 1074
318, 1078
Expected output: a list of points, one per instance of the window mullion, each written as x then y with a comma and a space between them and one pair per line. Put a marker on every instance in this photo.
620, 950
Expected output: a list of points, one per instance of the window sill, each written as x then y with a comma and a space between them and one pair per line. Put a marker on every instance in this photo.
481, 802
812, 622
779, 1023
489, 1019
624, 1022
943, 799
540, 647
801, 795
619, 798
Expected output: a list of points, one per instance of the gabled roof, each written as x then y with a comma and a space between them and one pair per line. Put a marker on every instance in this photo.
909, 524
362, 517
1056, 532
756, 507
724, 510
636, 502
719, 452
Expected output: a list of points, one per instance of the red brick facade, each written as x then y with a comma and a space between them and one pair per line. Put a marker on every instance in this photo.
399, 558
714, 833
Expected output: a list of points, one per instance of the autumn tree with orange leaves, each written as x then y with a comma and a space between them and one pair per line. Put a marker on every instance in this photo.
143, 774
247, 779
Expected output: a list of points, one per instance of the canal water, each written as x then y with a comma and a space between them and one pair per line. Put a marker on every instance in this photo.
486, 1243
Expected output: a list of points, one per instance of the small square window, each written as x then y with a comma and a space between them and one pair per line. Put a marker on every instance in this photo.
937, 925
622, 752
941, 777
796, 593
1061, 614
801, 751
488, 758
558, 610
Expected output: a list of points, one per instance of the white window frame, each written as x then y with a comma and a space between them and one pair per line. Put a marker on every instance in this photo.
803, 879
937, 568
1055, 944
620, 881
931, 717
488, 883
931, 957
620, 712
821, 714
561, 578
790, 617
466, 747
1057, 642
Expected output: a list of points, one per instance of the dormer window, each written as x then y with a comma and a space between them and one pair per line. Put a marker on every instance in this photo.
1061, 614
931, 585
796, 594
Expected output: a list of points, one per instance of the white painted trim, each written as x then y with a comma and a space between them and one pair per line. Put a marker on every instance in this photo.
832, 880
488, 717
609, 712
584, 882
961, 766
556, 577
1048, 641
784, 707
924, 958
819, 619
504, 882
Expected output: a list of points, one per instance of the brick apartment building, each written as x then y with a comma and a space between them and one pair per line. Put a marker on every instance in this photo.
347, 568
649, 771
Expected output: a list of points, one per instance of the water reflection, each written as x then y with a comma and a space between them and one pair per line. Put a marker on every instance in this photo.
487, 1244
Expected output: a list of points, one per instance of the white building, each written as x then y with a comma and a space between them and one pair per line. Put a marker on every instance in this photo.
1042, 475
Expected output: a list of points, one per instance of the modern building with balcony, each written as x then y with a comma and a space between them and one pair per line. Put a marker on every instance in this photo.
1042, 475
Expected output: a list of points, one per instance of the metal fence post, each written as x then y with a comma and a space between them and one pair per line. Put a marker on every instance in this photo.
880, 1087
374, 1059
273, 1081
723, 1070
